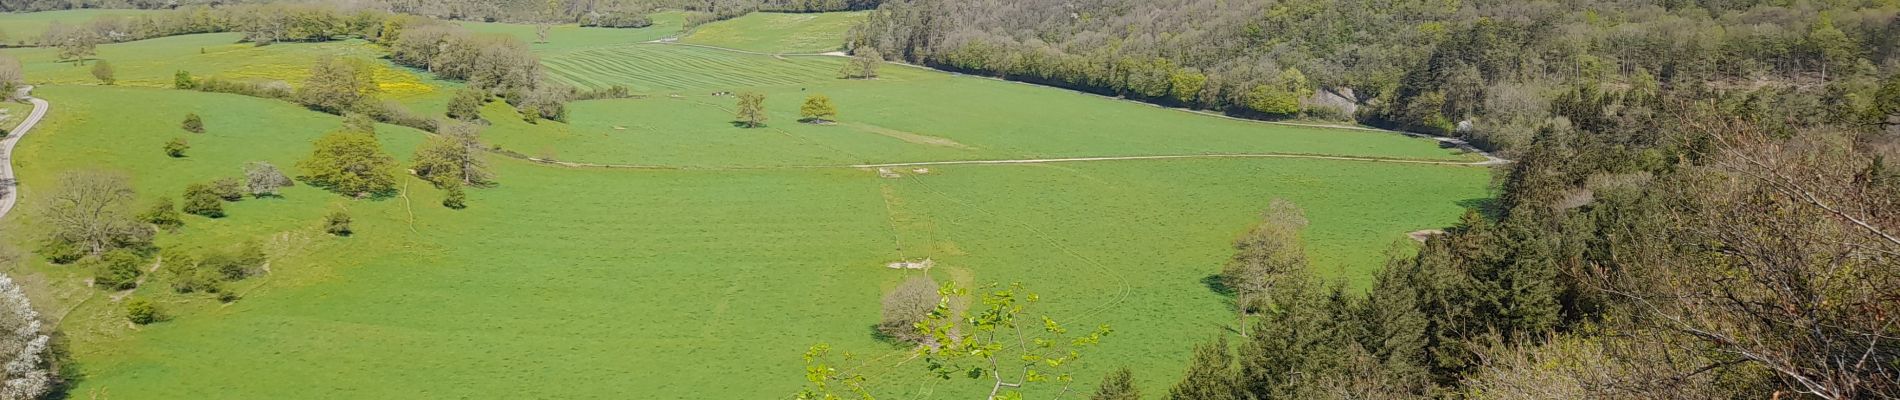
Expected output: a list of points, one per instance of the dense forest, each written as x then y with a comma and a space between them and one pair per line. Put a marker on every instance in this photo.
1702, 205
1481, 69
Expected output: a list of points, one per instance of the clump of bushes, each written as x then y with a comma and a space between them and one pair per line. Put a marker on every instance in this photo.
228, 189
140, 311
117, 270
164, 214
203, 200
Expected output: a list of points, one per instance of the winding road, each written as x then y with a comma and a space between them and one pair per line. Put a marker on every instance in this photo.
8, 184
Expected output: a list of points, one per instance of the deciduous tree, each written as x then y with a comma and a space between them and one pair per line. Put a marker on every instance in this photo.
337, 85
92, 211
907, 305
263, 179
751, 109
350, 163
818, 109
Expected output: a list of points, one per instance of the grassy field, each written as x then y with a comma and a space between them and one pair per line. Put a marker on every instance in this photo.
778, 32
153, 63
21, 28
11, 113
677, 283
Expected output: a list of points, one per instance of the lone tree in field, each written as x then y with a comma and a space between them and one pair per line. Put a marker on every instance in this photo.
467, 104
102, 70
202, 200
906, 306
176, 147
91, 211
864, 64
453, 156
1269, 254
751, 109
818, 110
193, 124
263, 179
351, 163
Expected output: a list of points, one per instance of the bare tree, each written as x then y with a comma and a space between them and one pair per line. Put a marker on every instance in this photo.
1784, 256
92, 209
906, 306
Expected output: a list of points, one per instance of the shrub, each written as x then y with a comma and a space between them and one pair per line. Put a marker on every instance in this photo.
228, 189
176, 147
202, 200
530, 114
116, 270
264, 179
225, 265
193, 124
457, 198
337, 223
467, 104
164, 214
182, 80
141, 311
185, 276
103, 71
62, 252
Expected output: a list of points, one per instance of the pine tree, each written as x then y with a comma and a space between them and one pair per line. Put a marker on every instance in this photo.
1210, 374
1118, 385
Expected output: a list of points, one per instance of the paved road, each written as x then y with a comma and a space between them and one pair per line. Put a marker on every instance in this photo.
7, 181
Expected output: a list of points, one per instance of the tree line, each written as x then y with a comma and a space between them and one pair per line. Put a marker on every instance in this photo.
1485, 69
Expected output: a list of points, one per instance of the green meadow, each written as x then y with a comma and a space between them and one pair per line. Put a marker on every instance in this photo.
25, 28
708, 276
779, 32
